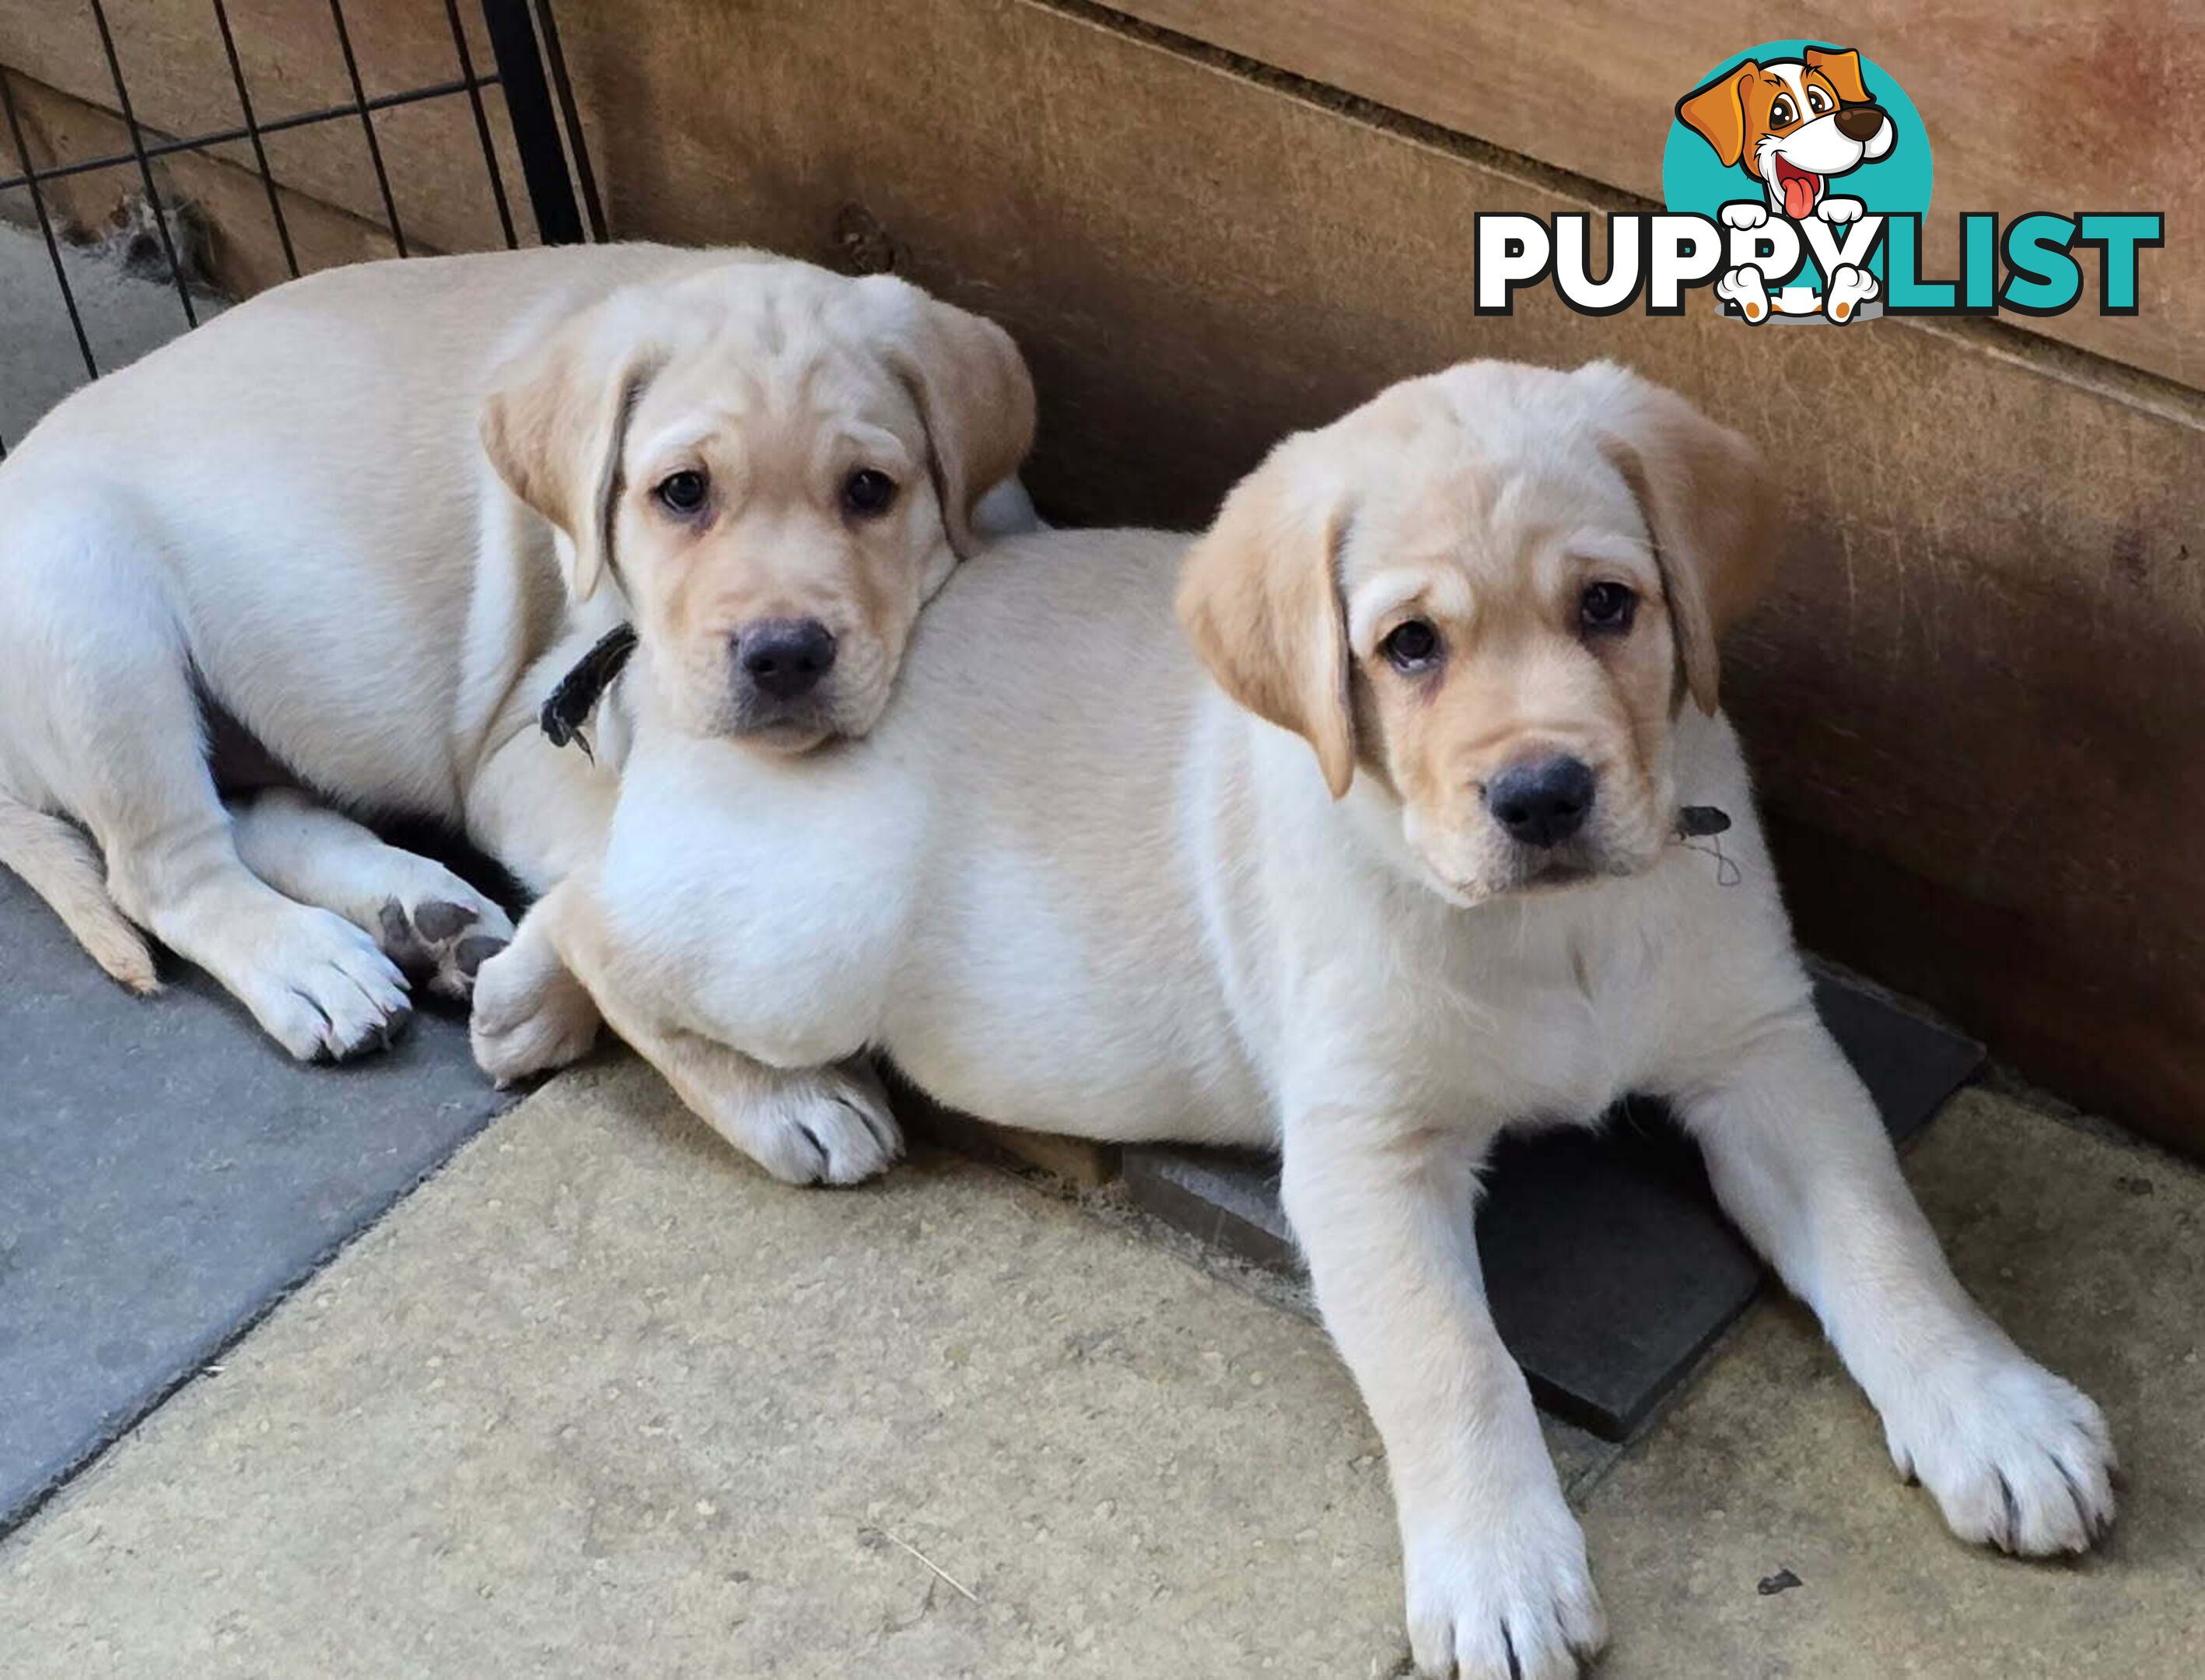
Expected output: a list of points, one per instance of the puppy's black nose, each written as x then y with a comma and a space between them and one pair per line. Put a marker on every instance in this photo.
1543, 801
1860, 122
786, 658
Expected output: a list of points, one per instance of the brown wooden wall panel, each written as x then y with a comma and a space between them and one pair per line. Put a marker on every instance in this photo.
2095, 104
179, 85
1976, 690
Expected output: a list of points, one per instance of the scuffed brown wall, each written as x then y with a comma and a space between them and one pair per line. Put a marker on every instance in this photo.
2093, 105
1974, 701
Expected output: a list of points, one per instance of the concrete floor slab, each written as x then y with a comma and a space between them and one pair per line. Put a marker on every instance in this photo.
166, 1172
600, 1400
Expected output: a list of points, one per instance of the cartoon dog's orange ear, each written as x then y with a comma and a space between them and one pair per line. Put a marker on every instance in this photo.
1716, 112
1842, 66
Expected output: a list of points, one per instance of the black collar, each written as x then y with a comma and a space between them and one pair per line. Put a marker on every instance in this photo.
570, 703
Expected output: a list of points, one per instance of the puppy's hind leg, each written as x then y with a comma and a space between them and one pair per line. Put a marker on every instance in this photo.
428, 921
533, 1011
822, 1125
102, 723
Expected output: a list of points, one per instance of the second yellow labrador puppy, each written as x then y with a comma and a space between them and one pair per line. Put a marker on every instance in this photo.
1384, 862
284, 522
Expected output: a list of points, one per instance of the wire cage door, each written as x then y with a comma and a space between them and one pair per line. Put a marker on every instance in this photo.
521, 102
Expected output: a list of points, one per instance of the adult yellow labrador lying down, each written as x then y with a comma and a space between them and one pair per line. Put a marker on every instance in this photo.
1384, 861
285, 518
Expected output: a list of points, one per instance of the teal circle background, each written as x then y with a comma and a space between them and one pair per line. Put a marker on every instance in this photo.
1694, 179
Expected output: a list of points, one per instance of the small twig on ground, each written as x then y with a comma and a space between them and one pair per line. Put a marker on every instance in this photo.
922, 1556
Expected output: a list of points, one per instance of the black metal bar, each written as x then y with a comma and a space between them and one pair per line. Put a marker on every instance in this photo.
482, 123
252, 132
535, 125
46, 225
226, 136
368, 127
145, 163
577, 147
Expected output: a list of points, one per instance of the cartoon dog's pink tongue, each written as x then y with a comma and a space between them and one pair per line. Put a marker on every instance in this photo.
1797, 188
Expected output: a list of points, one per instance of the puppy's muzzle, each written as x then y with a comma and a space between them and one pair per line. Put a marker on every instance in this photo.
1543, 802
784, 660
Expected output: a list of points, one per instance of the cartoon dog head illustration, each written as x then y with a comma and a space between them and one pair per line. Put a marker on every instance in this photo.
1793, 123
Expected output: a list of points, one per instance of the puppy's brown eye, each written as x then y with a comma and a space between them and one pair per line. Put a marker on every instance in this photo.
682, 492
1413, 646
1606, 609
867, 493
1782, 113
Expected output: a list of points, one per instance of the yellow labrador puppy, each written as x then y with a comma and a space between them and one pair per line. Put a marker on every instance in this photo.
284, 523
1384, 862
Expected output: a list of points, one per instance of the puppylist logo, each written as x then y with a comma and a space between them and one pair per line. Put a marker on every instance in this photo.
1798, 178
1790, 127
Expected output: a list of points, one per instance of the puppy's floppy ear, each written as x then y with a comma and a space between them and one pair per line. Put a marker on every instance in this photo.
972, 387
1705, 499
1260, 599
1716, 112
555, 418
1842, 66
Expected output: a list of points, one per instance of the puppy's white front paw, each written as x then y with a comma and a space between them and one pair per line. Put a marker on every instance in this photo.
1839, 212
1745, 213
2015, 1456
1850, 288
828, 1126
1504, 1596
1745, 288
531, 1015
320, 987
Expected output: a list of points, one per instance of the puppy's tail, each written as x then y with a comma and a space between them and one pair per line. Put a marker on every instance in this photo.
61, 867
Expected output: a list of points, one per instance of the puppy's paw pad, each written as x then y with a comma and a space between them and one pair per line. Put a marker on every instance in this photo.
525, 1020
1745, 213
831, 1126
2016, 1457
1839, 210
443, 936
1513, 1599
472, 952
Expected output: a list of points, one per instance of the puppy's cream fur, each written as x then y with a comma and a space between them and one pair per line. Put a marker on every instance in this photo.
285, 521
1076, 882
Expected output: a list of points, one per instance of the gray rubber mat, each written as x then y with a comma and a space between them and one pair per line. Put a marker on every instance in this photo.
1610, 1268
166, 1174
